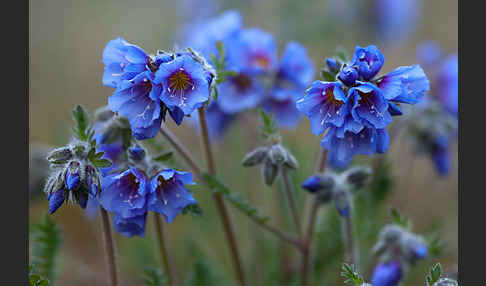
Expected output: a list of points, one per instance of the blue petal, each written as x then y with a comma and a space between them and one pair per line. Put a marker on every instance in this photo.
370, 107
368, 60
131, 226
405, 84
295, 65
56, 199
282, 103
312, 184
394, 110
387, 274
72, 180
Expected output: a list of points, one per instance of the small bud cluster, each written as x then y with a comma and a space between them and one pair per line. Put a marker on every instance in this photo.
337, 187
445, 282
75, 175
272, 158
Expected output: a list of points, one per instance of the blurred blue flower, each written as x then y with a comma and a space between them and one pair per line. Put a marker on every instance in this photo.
138, 100
281, 102
123, 61
312, 184
387, 274
125, 194
185, 84
428, 53
218, 120
396, 19
239, 93
168, 194
368, 61
295, 65
130, 226
447, 84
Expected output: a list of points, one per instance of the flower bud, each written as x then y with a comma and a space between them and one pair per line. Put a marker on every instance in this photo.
348, 75
312, 184
103, 114
56, 199
59, 155
72, 176
445, 282
254, 157
291, 162
341, 201
136, 153
387, 274
332, 65
277, 154
269, 171
358, 176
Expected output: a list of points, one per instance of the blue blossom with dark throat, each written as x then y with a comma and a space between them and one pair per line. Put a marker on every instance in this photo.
239, 93
185, 84
295, 65
125, 194
138, 100
387, 274
131, 226
368, 61
324, 105
123, 61
168, 194
370, 108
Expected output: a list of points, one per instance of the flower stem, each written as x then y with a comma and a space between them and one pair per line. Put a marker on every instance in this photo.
109, 247
290, 198
307, 240
350, 252
222, 209
188, 157
164, 254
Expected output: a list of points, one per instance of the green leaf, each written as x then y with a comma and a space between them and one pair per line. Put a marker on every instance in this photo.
235, 199
101, 163
164, 157
352, 276
269, 125
153, 277
328, 76
81, 120
399, 219
434, 274
202, 275
193, 210
46, 241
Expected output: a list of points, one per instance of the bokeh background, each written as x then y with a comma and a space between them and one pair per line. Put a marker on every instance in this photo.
66, 42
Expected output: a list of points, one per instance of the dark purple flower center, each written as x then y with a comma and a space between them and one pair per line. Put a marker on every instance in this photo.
260, 60
242, 82
180, 81
329, 94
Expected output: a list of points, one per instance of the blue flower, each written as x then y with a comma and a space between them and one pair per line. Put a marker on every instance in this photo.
387, 274
396, 19
440, 154
312, 184
185, 84
368, 61
406, 84
342, 146
56, 199
348, 75
281, 102
370, 108
332, 65
72, 180
428, 53
138, 100
240, 92
218, 121
131, 226
447, 84
168, 194
203, 35
123, 61
324, 105
252, 51
125, 194
295, 65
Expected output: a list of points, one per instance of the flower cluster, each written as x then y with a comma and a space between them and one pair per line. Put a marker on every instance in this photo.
149, 86
259, 78
398, 248
434, 123
74, 176
144, 186
357, 107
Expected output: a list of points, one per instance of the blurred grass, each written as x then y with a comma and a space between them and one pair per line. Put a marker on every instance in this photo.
66, 42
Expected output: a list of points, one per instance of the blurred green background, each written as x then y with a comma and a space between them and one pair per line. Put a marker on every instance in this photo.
66, 42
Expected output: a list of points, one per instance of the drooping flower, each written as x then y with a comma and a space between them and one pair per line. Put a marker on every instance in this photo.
131, 226
123, 61
295, 65
168, 194
324, 105
368, 61
185, 84
125, 194
370, 107
138, 100
387, 274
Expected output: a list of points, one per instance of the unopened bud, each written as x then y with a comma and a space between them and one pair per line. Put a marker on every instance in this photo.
136, 153
291, 162
269, 171
445, 282
358, 176
60, 155
277, 154
254, 157
341, 201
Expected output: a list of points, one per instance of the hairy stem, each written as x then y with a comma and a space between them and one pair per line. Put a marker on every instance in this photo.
290, 198
164, 253
222, 209
109, 245
350, 250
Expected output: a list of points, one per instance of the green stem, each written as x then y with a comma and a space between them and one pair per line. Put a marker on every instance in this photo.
350, 249
222, 209
290, 198
109, 248
164, 253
